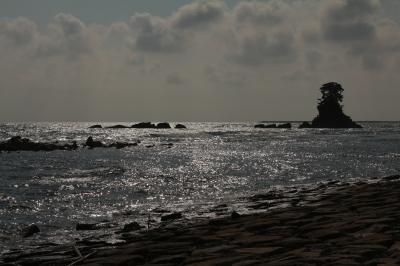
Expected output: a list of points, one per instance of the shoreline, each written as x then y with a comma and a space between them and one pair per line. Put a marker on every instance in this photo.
333, 223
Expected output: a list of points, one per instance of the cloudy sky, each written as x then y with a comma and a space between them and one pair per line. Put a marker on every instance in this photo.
208, 60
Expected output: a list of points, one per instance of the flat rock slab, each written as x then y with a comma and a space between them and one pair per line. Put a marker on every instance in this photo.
356, 230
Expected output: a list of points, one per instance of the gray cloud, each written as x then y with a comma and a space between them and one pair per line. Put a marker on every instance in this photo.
266, 49
198, 14
19, 31
154, 34
67, 36
174, 79
258, 13
350, 20
352, 9
224, 77
171, 34
259, 48
356, 26
353, 31
69, 24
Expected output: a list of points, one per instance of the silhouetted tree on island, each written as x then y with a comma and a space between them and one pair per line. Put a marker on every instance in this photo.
330, 109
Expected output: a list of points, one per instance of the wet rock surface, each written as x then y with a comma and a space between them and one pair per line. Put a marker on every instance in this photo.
331, 224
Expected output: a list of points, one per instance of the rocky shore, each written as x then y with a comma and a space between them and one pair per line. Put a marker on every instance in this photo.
330, 224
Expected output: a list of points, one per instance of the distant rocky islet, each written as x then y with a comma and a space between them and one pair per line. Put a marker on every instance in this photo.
330, 111
142, 125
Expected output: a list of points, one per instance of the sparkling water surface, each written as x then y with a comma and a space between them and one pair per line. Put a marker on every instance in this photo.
207, 163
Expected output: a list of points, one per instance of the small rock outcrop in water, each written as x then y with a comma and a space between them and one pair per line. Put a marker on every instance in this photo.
117, 127
163, 125
22, 144
134, 226
90, 143
121, 145
95, 126
86, 227
286, 125
180, 126
171, 217
330, 110
30, 230
265, 126
144, 125
305, 125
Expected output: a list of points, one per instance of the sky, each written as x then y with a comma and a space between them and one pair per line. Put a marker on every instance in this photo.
206, 60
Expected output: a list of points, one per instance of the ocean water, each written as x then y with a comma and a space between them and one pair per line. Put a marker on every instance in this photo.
207, 163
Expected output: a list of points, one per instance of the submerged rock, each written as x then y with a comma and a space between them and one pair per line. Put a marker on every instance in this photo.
30, 230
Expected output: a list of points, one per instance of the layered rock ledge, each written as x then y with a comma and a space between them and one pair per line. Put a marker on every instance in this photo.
332, 224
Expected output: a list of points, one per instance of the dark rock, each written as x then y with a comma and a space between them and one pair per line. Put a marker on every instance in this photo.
286, 125
30, 230
235, 215
134, 226
171, 217
163, 125
392, 177
96, 126
330, 110
305, 125
22, 144
144, 125
118, 127
121, 145
180, 126
86, 227
265, 126
94, 144
169, 145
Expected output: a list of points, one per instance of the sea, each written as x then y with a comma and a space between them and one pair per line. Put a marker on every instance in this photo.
171, 170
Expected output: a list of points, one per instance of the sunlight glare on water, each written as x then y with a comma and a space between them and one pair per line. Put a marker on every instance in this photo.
207, 162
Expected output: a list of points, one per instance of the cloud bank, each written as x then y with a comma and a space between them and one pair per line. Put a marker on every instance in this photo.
255, 60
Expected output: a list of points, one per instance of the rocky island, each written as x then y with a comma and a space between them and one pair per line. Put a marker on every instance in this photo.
330, 110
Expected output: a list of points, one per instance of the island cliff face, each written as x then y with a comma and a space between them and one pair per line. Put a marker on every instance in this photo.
330, 110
